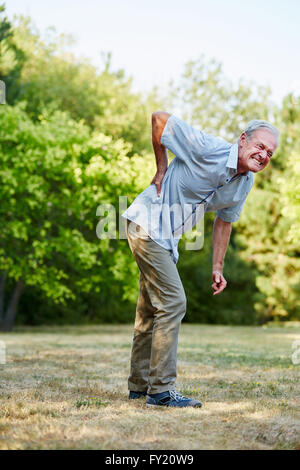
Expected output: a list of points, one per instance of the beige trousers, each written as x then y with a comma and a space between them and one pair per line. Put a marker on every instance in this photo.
160, 308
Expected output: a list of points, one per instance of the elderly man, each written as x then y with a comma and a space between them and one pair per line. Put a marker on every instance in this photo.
209, 172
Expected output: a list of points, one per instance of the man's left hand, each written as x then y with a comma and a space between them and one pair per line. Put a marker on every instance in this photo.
219, 282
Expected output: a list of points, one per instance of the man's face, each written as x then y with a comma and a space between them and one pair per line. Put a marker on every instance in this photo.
255, 153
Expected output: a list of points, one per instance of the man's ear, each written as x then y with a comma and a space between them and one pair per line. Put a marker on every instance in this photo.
243, 138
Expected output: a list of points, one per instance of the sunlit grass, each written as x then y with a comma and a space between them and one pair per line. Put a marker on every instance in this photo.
66, 388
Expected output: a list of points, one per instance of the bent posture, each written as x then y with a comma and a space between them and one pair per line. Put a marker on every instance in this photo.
206, 171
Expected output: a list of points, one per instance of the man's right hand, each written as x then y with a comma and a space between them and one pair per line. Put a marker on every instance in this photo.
159, 119
157, 180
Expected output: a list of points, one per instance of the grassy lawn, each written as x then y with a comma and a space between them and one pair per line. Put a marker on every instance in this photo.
66, 388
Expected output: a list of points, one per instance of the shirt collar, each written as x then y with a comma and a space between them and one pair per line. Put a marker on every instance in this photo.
232, 160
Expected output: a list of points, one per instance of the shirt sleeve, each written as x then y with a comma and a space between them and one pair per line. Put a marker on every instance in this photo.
186, 142
231, 214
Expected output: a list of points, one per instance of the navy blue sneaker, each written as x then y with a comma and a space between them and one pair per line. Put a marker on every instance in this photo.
171, 398
135, 395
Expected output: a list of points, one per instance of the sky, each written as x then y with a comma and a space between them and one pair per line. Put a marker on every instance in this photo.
257, 40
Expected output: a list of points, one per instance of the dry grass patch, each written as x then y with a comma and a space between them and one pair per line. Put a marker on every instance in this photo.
66, 388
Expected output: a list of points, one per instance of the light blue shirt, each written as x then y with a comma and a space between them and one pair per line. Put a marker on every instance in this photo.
202, 172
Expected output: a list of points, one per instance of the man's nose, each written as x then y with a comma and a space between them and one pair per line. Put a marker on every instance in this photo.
263, 154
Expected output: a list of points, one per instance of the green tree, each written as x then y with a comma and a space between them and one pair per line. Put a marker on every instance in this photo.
54, 173
49, 75
208, 100
269, 230
11, 56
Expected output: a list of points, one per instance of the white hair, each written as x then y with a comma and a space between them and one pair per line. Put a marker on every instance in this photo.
256, 124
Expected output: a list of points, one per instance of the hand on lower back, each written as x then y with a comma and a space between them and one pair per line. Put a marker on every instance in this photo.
157, 180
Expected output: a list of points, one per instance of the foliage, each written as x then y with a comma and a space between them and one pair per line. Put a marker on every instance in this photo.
235, 305
51, 75
262, 262
54, 174
269, 229
207, 99
73, 137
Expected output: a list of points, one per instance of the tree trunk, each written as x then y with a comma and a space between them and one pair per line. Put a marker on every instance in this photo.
10, 315
2, 289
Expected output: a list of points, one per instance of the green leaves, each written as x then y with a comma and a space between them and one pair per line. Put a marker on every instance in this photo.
206, 98
263, 257
58, 172
73, 138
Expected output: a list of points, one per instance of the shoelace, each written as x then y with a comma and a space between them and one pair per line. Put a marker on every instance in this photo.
177, 396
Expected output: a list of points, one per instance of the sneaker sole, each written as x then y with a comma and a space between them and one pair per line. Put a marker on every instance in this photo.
150, 405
